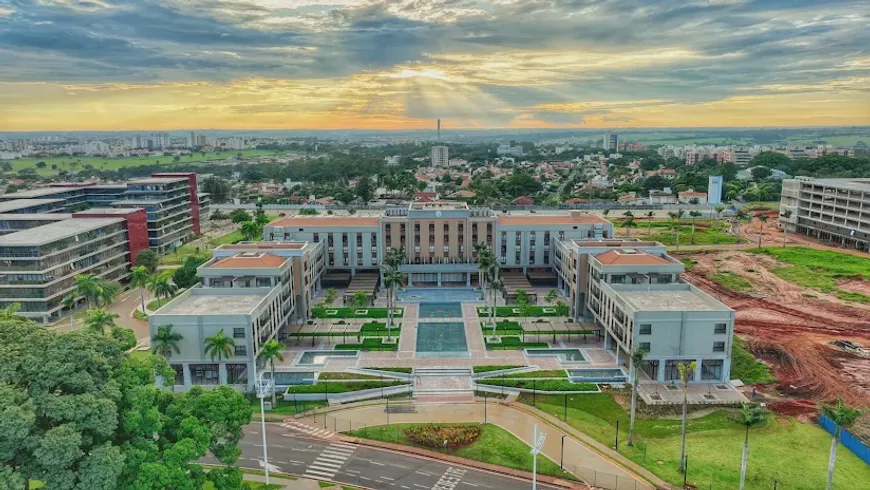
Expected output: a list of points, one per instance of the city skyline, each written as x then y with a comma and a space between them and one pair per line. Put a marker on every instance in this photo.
366, 64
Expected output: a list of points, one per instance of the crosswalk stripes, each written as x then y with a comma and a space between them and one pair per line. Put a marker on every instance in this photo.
308, 429
330, 460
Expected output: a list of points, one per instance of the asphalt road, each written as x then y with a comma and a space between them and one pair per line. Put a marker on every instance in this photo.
328, 459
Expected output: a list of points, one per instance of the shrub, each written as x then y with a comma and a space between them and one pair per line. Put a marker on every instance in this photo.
435, 435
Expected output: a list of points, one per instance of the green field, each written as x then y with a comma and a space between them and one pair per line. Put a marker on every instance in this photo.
819, 269
343, 387
72, 164
540, 384
745, 368
706, 232
785, 449
495, 446
731, 281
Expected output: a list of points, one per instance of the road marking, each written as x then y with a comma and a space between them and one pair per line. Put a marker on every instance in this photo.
470, 484
310, 430
379, 464
329, 461
388, 478
450, 478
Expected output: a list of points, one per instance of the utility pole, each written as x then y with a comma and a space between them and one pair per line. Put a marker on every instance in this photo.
263, 390
538, 441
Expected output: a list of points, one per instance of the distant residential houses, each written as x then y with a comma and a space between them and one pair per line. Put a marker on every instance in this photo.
742, 155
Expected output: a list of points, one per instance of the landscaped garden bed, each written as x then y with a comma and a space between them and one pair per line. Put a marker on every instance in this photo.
341, 376
542, 374
372, 344
515, 343
447, 436
343, 386
352, 312
487, 369
516, 311
404, 370
540, 385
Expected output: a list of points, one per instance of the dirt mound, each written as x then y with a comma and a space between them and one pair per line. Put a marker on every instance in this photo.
794, 408
855, 286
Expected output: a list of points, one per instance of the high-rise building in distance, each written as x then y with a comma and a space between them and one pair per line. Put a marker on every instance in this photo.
438, 156
611, 141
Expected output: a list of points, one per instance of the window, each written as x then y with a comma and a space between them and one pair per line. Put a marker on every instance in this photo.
645, 329
721, 328
711, 369
179, 373
237, 374
239, 333
718, 346
204, 374
645, 346
316, 237
241, 350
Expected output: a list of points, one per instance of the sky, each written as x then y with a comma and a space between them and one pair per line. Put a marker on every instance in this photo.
400, 64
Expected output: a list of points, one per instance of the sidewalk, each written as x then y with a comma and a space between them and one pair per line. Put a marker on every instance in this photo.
520, 422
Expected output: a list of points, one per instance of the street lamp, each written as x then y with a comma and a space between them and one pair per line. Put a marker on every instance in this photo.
538, 444
264, 389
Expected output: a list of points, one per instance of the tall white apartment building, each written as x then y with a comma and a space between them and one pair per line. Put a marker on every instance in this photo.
611, 141
438, 156
829, 209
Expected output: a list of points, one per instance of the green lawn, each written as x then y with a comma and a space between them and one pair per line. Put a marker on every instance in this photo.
350, 312
72, 164
515, 343
540, 384
745, 368
343, 387
371, 344
706, 233
819, 269
343, 376
732, 281
487, 369
153, 306
405, 370
544, 373
794, 453
495, 446
288, 407
504, 311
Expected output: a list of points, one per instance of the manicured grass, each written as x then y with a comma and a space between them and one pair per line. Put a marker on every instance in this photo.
487, 369
732, 281
153, 305
342, 376
405, 370
745, 368
709, 235
343, 387
544, 373
495, 446
229, 238
349, 312
515, 343
288, 407
793, 452
502, 328
820, 269
375, 344
505, 311
540, 385
177, 256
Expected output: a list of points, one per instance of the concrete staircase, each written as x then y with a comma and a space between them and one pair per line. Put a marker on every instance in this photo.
443, 385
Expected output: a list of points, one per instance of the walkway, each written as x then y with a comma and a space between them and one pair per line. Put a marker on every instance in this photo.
579, 458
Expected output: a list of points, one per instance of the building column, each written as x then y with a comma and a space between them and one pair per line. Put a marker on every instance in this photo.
468, 279
439, 279
222, 374
188, 377
606, 340
410, 281
698, 370
660, 371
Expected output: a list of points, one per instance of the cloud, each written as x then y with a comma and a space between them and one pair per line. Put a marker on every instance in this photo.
482, 62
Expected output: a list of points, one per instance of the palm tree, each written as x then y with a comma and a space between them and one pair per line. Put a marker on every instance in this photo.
695, 215
250, 230
392, 280
843, 416
165, 341
139, 278
628, 224
750, 415
606, 212
687, 372
162, 286
485, 262
395, 257
637, 356
762, 219
270, 351
219, 346
331, 295
551, 296
786, 215
649, 217
495, 286
739, 216
88, 285
719, 208
69, 302
628, 214
100, 320
107, 292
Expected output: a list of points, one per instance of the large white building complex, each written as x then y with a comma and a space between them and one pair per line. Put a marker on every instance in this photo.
837, 210
629, 293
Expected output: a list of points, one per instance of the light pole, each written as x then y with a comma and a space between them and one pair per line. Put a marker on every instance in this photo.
538, 444
264, 388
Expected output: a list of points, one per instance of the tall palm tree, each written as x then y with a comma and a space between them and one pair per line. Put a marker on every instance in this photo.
628, 214
649, 217
270, 351
107, 292
485, 262
695, 215
219, 346
165, 341
786, 215
139, 278
392, 280
750, 415
100, 320
739, 216
495, 286
637, 356
687, 372
69, 302
762, 219
843, 416
719, 208
628, 224
161, 286
88, 286
250, 230
395, 257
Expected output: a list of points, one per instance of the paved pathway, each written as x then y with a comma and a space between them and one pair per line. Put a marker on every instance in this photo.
581, 459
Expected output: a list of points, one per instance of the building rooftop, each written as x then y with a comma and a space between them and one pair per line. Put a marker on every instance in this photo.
117, 211
37, 193
214, 301
159, 180
301, 221
667, 297
144, 202
264, 246
17, 204
616, 243
862, 185
573, 218
250, 260
53, 232
34, 216
630, 256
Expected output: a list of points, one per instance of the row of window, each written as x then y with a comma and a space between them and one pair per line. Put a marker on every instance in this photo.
718, 329
718, 346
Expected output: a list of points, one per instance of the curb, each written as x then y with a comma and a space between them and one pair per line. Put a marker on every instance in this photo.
436, 456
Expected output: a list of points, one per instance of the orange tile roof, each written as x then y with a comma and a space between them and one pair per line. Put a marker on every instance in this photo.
300, 221
638, 257
543, 219
246, 260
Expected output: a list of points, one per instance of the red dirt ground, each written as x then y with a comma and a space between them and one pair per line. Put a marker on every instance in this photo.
790, 327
